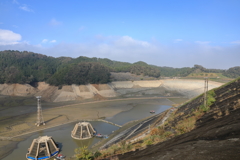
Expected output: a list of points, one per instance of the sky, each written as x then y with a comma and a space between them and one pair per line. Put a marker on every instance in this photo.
159, 32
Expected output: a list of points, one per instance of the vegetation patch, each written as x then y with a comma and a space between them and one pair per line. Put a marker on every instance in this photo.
28, 67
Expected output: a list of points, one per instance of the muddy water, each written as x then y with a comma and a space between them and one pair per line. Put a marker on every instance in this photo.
62, 134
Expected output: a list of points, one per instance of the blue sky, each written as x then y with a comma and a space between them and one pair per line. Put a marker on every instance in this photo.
160, 32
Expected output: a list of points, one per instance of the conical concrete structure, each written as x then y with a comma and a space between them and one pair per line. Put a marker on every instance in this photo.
42, 148
83, 130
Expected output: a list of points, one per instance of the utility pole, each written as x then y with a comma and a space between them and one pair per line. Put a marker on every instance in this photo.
40, 120
205, 91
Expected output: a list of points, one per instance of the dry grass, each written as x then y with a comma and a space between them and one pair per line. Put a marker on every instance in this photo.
186, 125
226, 112
116, 149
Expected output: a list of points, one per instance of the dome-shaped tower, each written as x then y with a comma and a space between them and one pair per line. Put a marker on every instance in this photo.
42, 148
83, 130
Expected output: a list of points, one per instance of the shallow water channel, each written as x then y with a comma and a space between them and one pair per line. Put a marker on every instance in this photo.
62, 134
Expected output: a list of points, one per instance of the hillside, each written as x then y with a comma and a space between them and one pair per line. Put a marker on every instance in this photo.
29, 68
198, 71
193, 131
233, 72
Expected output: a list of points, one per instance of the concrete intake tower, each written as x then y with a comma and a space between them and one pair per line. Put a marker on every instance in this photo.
42, 148
83, 130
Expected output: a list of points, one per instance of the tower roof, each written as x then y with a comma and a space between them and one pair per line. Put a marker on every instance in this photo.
83, 123
43, 138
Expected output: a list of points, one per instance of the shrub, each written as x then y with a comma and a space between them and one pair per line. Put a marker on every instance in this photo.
83, 153
157, 139
167, 134
138, 145
154, 131
129, 147
97, 154
148, 142
210, 97
204, 108
116, 149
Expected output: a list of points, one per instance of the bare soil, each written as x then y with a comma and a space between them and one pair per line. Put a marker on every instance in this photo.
83, 88
101, 87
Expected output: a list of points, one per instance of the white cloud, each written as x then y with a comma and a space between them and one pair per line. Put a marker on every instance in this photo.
8, 37
54, 22
177, 40
130, 42
53, 41
44, 40
236, 42
202, 42
47, 41
25, 8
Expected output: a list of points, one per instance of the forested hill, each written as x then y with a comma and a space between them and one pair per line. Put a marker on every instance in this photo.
29, 67
183, 72
233, 72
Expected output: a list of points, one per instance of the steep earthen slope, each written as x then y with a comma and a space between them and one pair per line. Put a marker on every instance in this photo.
216, 136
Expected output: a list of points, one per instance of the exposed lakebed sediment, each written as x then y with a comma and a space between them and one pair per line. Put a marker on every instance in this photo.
189, 88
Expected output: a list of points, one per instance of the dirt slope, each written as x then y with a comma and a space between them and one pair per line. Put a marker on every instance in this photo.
187, 88
217, 140
216, 136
